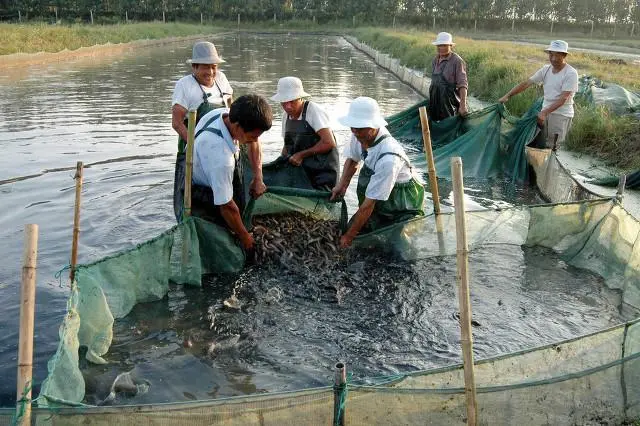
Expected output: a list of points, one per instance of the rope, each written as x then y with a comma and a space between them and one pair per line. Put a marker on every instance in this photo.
58, 275
22, 403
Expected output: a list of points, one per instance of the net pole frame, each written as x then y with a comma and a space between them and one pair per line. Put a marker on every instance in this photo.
431, 165
191, 126
462, 281
340, 382
27, 318
76, 222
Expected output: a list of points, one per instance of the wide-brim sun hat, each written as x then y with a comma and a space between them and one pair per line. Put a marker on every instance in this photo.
560, 46
363, 113
443, 38
289, 89
205, 52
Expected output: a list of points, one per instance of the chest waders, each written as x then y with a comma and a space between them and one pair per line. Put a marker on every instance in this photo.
404, 202
321, 169
181, 158
443, 97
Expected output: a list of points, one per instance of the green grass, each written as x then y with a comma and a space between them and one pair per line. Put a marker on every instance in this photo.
32, 38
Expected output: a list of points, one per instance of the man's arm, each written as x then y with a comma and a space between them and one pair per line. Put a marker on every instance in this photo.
257, 186
178, 114
517, 89
542, 115
348, 170
324, 145
231, 215
462, 91
358, 221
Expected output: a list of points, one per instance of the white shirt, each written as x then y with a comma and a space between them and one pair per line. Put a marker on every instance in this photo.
188, 92
214, 158
554, 84
317, 118
388, 170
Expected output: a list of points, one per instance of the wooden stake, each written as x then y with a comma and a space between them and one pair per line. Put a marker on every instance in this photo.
76, 222
27, 307
431, 167
462, 278
191, 125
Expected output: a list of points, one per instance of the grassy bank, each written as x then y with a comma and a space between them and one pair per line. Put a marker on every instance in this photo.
494, 67
32, 38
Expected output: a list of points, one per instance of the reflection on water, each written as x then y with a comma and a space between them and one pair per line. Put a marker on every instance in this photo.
113, 113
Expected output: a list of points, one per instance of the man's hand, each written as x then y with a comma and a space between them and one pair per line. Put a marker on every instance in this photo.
504, 99
296, 159
257, 188
463, 110
542, 116
345, 241
247, 242
337, 193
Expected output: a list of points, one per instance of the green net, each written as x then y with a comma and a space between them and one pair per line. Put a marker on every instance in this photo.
618, 99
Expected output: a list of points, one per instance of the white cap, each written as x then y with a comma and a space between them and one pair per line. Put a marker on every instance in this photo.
443, 38
558, 46
289, 89
204, 52
363, 112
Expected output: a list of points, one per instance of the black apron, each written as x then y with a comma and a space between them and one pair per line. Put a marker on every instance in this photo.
200, 195
405, 201
322, 169
443, 96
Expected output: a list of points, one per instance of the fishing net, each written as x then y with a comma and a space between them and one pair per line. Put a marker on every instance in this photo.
588, 379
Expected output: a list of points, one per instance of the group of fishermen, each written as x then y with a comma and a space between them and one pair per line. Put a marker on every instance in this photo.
388, 190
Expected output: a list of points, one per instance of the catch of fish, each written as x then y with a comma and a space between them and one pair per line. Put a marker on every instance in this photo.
295, 237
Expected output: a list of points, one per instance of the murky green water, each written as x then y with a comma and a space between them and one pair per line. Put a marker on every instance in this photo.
113, 113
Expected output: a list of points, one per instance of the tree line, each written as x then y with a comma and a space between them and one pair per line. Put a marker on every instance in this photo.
414, 12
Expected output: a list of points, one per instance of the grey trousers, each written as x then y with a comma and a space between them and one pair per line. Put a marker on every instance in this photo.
555, 124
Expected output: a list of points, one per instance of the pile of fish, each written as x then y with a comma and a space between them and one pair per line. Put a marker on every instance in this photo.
295, 237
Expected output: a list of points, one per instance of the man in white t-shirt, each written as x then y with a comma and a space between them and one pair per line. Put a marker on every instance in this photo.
387, 190
308, 139
560, 83
204, 89
216, 151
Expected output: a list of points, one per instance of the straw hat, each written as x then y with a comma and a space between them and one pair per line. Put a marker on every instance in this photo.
558, 46
289, 89
204, 52
363, 112
443, 38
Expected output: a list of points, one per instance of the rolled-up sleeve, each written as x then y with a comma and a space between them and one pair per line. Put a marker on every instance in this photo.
461, 74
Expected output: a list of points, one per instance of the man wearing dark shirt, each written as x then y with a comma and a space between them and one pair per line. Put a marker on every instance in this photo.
448, 90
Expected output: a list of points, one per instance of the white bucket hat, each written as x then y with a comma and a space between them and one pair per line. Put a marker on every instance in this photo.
363, 112
205, 52
443, 38
558, 46
289, 89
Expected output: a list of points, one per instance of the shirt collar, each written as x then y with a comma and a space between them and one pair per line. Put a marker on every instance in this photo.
219, 123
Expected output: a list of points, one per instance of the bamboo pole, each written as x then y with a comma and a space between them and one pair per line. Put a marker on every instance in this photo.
191, 125
76, 222
462, 278
27, 307
431, 167
338, 391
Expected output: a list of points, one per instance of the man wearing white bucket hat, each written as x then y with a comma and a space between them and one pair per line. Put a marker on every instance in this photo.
308, 140
448, 89
205, 89
560, 83
387, 190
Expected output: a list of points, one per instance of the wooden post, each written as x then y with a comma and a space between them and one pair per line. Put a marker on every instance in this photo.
338, 391
428, 152
622, 182
191, 125
462, 278
27, 307
76, 222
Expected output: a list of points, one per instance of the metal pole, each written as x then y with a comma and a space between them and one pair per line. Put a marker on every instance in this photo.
76, 222
191, 125
622, 182
431, 166
27, 307
462, 278
339, 389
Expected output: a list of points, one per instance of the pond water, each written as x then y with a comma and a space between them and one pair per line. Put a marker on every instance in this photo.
113, 113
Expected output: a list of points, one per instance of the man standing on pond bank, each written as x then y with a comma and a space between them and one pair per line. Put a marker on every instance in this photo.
205, 89
560, 83
215, 156
448, 90
388, 192
308, 139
